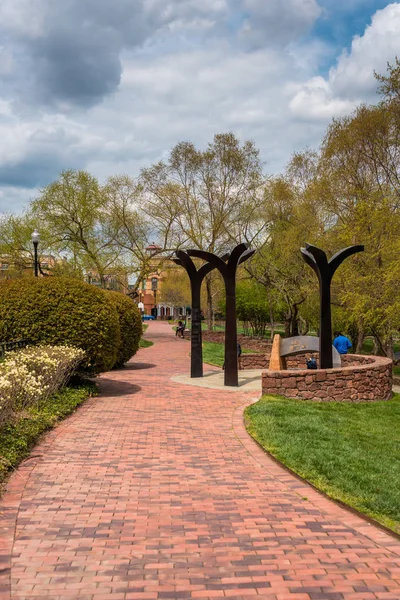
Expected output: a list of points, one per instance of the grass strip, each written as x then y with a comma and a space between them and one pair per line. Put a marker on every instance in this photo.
214, 353
145, 343
18, 438
349, 451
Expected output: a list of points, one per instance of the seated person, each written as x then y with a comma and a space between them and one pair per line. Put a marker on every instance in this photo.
311, 362
180, 329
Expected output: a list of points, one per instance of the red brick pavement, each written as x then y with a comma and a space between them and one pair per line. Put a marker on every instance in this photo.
155, 491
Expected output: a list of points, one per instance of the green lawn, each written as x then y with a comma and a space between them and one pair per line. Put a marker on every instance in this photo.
145, 343
214, 353
349, 451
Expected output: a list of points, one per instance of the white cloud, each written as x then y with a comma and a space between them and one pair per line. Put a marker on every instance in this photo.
187, 76
314, 100
352, 80
353, 77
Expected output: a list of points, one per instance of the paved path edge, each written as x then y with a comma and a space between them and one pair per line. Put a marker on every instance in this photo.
362, 523
12, 492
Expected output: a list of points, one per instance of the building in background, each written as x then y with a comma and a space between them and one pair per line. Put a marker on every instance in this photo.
10, 267
150, 291
117, 283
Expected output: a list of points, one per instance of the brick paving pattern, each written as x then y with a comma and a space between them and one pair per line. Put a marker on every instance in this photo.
155, 491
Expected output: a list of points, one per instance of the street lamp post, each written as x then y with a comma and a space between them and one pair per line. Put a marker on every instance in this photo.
154, 286
155, 304
35, 241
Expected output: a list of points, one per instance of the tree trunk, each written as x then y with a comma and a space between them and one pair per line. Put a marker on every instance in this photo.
387, 347
383, 347
304, 329
288, 320
294, 325
271, 320
360, 338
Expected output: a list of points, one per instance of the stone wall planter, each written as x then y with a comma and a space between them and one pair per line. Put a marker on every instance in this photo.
361, 379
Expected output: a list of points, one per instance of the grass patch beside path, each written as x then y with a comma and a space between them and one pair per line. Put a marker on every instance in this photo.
145, 343
349, 451
214, 353
17, 439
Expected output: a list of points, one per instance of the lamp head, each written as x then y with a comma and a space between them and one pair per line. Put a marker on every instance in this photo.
35, 237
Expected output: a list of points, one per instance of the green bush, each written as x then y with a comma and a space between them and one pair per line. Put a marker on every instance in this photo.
130, 325
61, 311
252, 306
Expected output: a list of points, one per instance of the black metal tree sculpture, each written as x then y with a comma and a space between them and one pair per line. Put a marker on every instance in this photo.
228, 271
316, 259
196, 278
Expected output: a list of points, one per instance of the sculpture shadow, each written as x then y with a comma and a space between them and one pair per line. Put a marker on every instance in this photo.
113, 388
249, 379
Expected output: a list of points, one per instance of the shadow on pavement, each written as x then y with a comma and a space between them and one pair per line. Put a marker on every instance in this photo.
137, 366
112, 388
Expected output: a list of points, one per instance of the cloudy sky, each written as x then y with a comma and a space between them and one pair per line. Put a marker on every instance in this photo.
111, 85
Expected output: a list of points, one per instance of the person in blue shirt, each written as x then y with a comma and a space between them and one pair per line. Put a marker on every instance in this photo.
341, 343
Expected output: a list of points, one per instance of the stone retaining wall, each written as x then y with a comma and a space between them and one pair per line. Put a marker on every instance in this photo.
253, 361
361, 379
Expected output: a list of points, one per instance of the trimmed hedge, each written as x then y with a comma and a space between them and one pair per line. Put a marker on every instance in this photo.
61, 311
130, 325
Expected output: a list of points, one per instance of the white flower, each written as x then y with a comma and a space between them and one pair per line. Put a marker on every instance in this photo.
34, 373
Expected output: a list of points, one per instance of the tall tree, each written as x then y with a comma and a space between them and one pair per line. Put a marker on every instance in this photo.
360, 177
74, 210
16, 246
208, 198
133, 229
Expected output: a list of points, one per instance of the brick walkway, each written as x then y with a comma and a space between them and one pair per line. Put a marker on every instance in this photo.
154, 490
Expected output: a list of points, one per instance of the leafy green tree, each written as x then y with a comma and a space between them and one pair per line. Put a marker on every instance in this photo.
74, 210
175, 287
292, 220
16, 246
209, 199
359, 174
133, 229
252, 306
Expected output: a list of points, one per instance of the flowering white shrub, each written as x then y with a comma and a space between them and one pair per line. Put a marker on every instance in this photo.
34, 373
